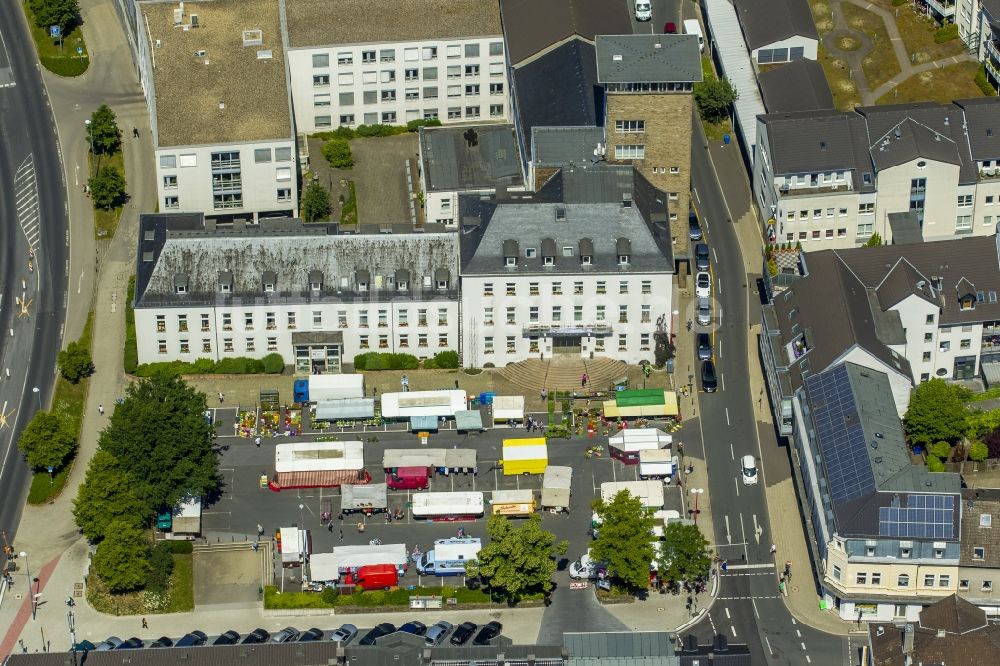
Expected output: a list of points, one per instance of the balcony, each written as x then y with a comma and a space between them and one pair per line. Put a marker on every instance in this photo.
942, 8
786, 191
797, 348
560, 330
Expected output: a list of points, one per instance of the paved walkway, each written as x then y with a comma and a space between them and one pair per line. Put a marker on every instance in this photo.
855, 58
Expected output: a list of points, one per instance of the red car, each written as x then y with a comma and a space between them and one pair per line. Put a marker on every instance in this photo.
669, 28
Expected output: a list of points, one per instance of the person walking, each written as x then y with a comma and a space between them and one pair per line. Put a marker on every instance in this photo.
257, 441
583, 380
341, 533
774, 549
222, 398
100, 409
145, 625
260, 530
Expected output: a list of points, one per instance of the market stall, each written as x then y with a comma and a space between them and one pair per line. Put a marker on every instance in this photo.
527, 455
556, 485
648, 403
657, 464
366, 499
469, 420
344, 409
408, 404
628, 444
508, 408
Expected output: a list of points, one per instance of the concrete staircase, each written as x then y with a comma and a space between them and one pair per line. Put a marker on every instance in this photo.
562, 373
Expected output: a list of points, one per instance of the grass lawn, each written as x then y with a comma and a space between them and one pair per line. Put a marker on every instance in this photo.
937, 85
181, 585
845, 93
63, 61
917, 32
349, 213
106, 221
68, 401
880, 63
821, 16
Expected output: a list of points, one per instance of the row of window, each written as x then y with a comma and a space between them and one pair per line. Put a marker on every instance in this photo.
373, 77
271, 343
390, 117
555, 314
222, 200
600, 344
556, 288
291, 320
229, 159
963, 225
902, 580
410, 54
344, 99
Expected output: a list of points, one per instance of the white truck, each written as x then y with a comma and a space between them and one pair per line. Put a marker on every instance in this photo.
449, 556
692, 27
294, 545
448, 506
336, 387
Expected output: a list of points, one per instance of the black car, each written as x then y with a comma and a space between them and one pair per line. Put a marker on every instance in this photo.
694, 231
162, 641
709, 382
87, 646
489, 631
286, 635
194, 639
701, 257
227, 638
415, 628
131, 644
256, 637
463, 633
704, 347
313, 634
377, 632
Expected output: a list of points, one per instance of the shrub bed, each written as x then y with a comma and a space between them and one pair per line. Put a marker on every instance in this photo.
329, 598
446, 360
380, 361
271, 364
131, 360
376, 130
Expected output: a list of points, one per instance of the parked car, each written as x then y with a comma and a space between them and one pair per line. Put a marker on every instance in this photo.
436, 634
345, 634
703, 285
414, 627
701, 257
131, 644
256, 637
193, 639
694, 230
110, 643
704, 346
463, 633
669, 28
709, 382
227, 638
286, 635
162, 641
376, 633
703, 312
313, 634
87, 646
489, 631
749, 466
643, 10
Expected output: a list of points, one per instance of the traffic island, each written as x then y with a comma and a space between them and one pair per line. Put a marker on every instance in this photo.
61, 51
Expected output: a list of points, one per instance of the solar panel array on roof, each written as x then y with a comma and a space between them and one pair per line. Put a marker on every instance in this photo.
840, 435
924, 516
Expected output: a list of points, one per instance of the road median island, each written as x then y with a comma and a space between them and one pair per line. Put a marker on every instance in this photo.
65, 55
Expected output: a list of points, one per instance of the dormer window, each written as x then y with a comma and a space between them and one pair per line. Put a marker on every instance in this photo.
315, 281
270, 279
362, 278
225, 282
967, 303
510, 261
548, 252
510, 253
622, 259
225, 288
586, 259
402, 279
180, 283
268, 286
623, 248
550, 261
441, 278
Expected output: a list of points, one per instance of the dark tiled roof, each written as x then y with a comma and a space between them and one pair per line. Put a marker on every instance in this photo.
905, 227
455, 159
797, 86
767, 21
619, 644
953, 615
811, 141
967, 637
979, 532
901, 281
531, 26
559, 89
648, 59
983, 121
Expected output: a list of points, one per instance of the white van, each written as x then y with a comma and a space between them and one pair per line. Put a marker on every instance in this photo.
643, 10
691, 27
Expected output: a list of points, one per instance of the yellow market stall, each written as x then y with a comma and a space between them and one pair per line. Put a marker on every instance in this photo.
647, 403
528, 455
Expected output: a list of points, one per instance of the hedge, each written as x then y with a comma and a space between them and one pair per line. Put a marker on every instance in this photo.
376, 598
984, 83
131, 359
946, 33
446, 360
271, 364
380, 361
344, 132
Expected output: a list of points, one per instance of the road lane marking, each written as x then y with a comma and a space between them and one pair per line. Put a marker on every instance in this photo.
728, 616
737, 480
798, 633
722, 380
698, 198
718, 288
768, 641
732, 629
754, 604
727, 412
715, 256
719, 352
740, 567
732, 451
803, 646
729, 537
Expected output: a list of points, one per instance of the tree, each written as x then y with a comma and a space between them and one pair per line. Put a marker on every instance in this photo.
518, 560
122, 559
315, 203
684, 555
103, 133
160, 436
625, 539
978, 451
936, 412
107, 188
337, 152
874, 241
934, 464
106, 496
663, 348
75, 362
46, 441
54, 12
981, 422
714, 97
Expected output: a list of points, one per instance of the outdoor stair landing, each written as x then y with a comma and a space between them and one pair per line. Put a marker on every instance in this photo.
563, 373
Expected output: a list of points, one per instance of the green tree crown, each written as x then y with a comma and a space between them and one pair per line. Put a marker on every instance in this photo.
46, 441
122, 559
624, 540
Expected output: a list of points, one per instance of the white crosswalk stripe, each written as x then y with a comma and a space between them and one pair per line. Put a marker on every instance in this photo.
26, 200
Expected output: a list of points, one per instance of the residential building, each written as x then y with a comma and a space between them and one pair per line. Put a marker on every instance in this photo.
315, 296
885, 532
922, 171
979, 27
912, 312
797, 86
423, 59
214, 78
777, 30
648, 82
979, 563
950, 631
584, 267
465, 160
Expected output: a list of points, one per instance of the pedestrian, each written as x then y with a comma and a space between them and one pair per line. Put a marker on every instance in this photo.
341, 533
583, 380
257, 441
135, 132
340, 516
260, 530
545, 394
329, 527
388, 517
222, 398
774, 549
145, 625
361, 527
100, 409
725, 565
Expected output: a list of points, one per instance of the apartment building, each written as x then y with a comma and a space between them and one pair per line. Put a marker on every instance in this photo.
911, 311
979, 563
353, 63
465, 160
576, 269
648, 82
949, 631
306, 292
215, 83
922, 171
979, 27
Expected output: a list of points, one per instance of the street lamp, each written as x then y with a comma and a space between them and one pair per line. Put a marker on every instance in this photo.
301, 523
27, 570
90, 138
38, 394
696, 492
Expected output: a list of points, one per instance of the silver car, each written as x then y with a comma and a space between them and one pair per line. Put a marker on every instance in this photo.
436, 634
345, 634
703, 312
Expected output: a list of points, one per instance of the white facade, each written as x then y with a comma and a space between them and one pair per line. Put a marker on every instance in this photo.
392, 83
975, 20
248, 180
786, 50
507, 319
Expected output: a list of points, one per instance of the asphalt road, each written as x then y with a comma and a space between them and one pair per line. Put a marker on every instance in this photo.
32, 214
749, 608
663, 11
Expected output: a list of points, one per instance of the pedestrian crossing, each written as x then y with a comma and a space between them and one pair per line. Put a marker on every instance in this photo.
26, 199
